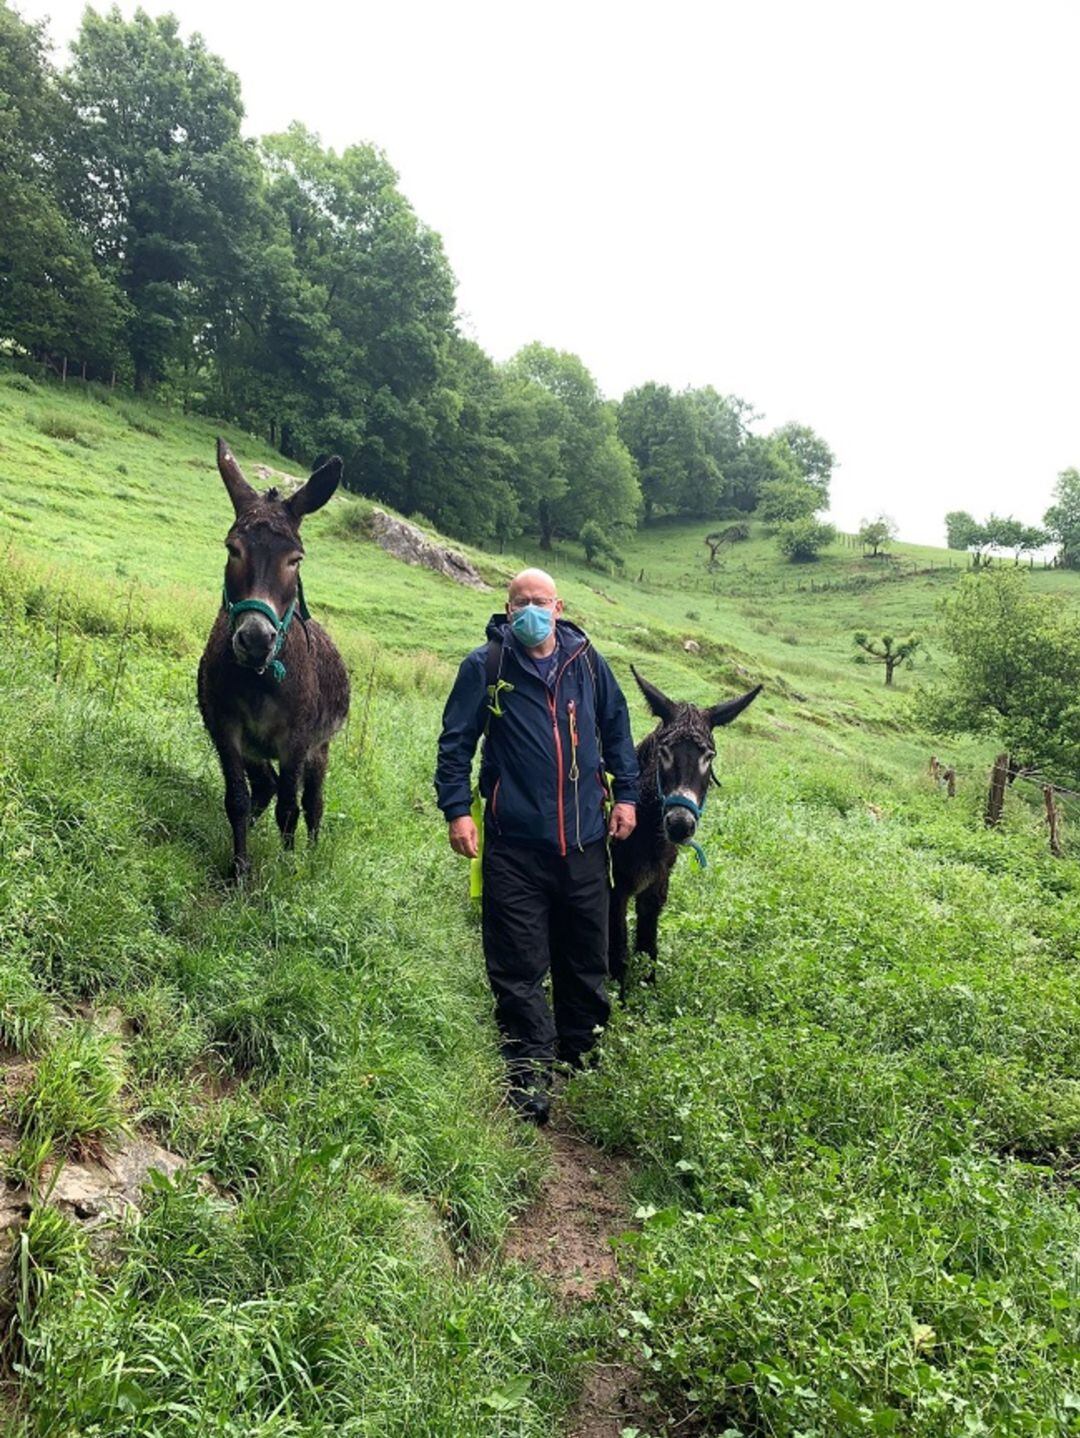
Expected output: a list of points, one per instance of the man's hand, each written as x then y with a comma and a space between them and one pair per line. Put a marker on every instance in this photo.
464, 839
622, 821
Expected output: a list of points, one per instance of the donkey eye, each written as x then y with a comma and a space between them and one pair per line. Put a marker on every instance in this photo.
234, 550
294, 562
705, 760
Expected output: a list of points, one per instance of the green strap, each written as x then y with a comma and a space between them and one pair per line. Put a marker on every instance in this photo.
281, 626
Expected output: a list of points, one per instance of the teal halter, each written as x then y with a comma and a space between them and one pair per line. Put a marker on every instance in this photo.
682, 801
281, 626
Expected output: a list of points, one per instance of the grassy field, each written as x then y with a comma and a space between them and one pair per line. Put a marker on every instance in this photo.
852, 1098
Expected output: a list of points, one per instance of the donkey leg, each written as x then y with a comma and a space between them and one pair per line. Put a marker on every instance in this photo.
314, 774
649, 904
237, 805
263, 783
287, 811
617, 941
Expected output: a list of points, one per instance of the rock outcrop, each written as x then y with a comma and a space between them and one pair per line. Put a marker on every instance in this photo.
410, 544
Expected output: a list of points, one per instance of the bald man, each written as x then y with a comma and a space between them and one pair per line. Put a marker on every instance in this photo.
553, 721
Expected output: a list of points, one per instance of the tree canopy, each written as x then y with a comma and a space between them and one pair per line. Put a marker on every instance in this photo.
1015, 673
292, 289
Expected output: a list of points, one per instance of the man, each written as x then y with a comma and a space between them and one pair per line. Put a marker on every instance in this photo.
553, 720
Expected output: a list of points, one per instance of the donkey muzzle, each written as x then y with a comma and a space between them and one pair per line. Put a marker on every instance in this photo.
253, 641
679, 825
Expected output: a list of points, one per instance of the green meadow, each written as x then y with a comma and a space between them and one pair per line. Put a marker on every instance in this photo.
851, 1101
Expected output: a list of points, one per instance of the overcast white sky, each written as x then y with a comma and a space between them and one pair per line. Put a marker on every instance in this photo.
862, 216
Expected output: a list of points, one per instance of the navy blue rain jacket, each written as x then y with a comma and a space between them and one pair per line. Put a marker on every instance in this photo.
535, 792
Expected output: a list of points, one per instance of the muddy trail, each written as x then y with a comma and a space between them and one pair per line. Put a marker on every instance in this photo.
565, 1235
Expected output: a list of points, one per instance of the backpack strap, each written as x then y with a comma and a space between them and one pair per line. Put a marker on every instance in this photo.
494, 683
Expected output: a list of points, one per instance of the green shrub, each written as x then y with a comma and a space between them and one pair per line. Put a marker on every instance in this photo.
26, 1015
73, 1101
801, 540
61, 424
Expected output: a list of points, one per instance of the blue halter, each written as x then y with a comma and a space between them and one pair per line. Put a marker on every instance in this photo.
681, 801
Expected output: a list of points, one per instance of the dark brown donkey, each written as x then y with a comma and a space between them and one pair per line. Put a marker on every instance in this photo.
676, 763
272, 687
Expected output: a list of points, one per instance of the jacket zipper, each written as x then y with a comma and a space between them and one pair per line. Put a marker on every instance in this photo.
495, 801
553, 702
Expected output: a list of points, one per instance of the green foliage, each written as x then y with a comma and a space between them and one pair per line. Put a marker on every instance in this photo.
1015, 672
783, 500
877, 534
962, 530
1062, 519
26, 1016
53, 300
72, 1103
801, 540
598, 546
592, 476
891, 650
813, 458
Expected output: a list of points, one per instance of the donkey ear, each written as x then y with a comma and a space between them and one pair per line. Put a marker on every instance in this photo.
724, 713
659, 703
240, 492
314, 494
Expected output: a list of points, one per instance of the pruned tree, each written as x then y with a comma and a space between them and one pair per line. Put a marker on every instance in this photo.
888, 649
733, 534
877, 534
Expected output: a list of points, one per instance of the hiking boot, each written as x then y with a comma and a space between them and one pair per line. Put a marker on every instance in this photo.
533, 1105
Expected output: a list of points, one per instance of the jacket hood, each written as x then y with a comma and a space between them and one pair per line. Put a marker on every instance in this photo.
566, 632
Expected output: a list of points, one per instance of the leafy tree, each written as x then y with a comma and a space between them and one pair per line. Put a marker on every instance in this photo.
781, 500
593, 476
599, 546
372, 351
1015, 674
962, 530
663, 432
165, 184
1032, 537
877, 534
1062, 519
803, 539
887, 649
53, 299
812, 456
724, 427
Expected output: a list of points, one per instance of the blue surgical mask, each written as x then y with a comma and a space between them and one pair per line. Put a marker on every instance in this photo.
532, 625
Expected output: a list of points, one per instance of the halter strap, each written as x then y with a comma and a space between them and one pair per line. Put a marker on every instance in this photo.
683, 801
281, 626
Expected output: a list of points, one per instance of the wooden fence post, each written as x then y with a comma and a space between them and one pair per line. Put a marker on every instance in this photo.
995, 800
950, 782
1053, 820
935, 768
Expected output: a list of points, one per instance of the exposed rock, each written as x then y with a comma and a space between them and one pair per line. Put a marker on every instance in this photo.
406, 542
691, 646
107, 1187
93, 1191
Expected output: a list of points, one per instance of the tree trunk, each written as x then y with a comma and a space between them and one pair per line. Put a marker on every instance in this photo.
890, 665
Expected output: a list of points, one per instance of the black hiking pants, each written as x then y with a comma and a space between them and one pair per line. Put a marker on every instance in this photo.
544, 913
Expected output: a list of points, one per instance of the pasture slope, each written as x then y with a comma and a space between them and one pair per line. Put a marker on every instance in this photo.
850, 1105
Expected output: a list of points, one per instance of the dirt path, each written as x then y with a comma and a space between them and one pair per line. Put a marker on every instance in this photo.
582, 1204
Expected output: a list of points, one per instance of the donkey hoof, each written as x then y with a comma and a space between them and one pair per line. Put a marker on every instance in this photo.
241, 870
